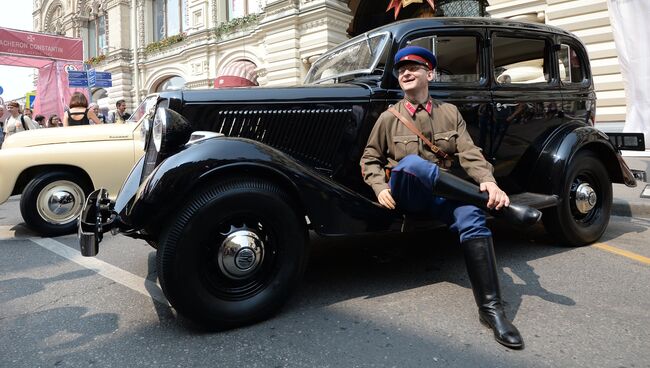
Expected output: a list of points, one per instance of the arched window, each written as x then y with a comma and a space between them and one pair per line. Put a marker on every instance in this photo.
96, 34
171, 84
99, 93
53, 20
100, 96
170, 18
242, 8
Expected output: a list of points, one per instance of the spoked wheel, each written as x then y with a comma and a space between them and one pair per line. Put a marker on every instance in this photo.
582, 217
234, 254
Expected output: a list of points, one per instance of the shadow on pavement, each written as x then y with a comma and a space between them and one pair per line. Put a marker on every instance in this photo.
378, 265
24, 286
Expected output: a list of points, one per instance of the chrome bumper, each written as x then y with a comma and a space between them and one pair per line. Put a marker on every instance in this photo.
97, 217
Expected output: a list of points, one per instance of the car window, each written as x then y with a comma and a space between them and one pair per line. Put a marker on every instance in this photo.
519, 60
457, 57
143, 108
360, 55
571, 65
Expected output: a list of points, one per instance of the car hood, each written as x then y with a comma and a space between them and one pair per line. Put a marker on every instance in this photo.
85, 133
314, 93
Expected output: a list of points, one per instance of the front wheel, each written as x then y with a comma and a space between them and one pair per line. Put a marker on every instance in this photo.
234, 254
582, 215
51, 202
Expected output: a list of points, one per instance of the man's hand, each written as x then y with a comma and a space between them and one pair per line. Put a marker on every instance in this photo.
386, 199
497, 198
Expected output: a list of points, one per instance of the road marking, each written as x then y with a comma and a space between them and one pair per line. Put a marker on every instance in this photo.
133, 282
622, 252
7, 232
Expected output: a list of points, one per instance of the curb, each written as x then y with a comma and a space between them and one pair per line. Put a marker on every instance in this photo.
621, 207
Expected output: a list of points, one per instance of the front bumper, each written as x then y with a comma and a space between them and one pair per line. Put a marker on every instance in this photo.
96, 218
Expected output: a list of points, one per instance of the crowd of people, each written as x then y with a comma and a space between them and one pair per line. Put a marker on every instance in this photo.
13, 119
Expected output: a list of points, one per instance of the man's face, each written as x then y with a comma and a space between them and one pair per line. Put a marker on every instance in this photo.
414, 77
121, 107
28, 112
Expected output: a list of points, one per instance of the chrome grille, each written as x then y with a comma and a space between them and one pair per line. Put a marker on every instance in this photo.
150, 157
298, 132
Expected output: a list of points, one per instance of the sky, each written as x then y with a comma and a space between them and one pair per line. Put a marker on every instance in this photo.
16, 81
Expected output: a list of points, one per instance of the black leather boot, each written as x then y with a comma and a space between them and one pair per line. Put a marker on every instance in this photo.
482, 270
452, 187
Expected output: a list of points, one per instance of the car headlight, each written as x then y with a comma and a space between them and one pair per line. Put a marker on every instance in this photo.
170, 130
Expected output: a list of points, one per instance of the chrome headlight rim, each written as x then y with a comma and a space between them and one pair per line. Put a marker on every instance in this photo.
159, 128
144, 129
170, 130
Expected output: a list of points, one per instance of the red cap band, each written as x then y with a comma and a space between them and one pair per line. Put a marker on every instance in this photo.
417, 58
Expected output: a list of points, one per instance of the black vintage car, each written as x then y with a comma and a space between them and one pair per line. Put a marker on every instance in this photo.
232, 180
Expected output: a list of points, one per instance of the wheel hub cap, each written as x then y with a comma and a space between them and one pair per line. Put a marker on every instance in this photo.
586, 198
240, 254
61, 202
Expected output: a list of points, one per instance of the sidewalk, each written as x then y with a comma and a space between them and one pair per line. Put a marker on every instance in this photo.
627, 201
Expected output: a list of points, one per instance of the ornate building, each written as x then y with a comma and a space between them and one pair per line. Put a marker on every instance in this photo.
152, 45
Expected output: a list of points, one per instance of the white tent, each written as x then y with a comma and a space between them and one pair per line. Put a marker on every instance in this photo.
631, 27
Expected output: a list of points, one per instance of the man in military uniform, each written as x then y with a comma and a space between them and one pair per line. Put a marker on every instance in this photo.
406, 167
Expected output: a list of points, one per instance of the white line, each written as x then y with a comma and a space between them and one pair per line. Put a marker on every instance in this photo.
133, 282
6, 232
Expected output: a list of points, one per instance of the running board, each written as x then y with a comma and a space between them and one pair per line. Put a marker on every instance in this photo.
535, 200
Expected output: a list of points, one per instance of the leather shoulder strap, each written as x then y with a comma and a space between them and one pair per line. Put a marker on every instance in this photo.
436, 150
22, 120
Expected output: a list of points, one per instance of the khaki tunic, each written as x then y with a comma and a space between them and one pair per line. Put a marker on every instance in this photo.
390, 141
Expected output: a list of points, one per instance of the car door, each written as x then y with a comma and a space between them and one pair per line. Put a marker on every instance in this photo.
526, 98
578, 96
460, 75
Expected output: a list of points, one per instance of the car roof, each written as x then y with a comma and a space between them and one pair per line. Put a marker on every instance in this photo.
400, 28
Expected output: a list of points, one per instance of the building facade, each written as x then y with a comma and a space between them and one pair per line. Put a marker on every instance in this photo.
153, 45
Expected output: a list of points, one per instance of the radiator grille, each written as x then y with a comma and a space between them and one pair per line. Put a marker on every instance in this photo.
310, 135
150, 158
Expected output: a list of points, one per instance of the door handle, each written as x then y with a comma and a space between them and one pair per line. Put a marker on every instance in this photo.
499, 106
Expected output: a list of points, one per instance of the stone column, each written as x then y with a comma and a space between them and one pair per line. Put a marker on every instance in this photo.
119, 53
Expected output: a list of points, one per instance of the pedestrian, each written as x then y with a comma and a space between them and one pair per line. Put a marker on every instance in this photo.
40, 120
408, 173
119, 116
79, 113
17, 122
95, 108
54, 121
28, 112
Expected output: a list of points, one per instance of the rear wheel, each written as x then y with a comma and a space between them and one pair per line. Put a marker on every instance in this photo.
583, 214
52, 201
234, 254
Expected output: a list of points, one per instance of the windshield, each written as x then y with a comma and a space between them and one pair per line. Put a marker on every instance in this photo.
360, 55
144, 108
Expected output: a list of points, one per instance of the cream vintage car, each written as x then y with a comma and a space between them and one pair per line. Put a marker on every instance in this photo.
54, 169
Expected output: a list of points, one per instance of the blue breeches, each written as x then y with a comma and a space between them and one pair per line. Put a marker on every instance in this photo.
411, 184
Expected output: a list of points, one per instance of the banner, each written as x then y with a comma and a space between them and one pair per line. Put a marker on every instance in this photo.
52, 89
630, 26
31, 44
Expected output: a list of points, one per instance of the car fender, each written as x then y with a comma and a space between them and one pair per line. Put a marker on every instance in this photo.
329, 208
561, 147
106, 164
